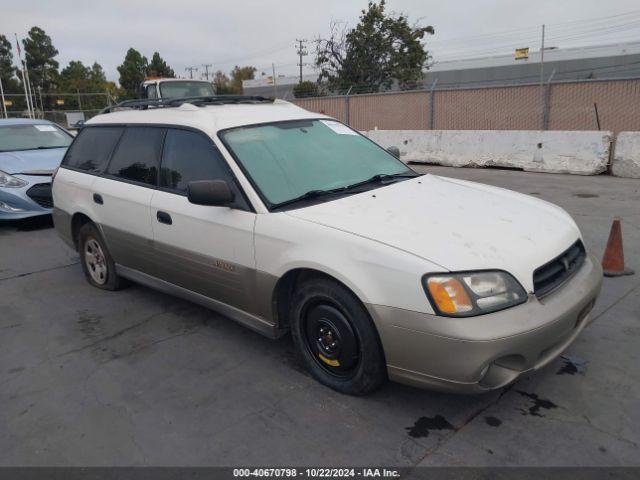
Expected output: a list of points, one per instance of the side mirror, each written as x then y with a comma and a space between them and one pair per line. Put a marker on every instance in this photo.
215, 193
395, 151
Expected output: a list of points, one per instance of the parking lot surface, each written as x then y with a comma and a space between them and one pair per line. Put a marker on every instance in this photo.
136, 377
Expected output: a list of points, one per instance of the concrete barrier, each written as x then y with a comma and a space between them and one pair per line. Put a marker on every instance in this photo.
577, 152
626, 158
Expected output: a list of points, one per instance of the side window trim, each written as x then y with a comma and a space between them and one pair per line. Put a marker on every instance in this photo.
113, 149
248, 206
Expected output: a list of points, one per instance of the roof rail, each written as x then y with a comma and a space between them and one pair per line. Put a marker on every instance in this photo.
144, 104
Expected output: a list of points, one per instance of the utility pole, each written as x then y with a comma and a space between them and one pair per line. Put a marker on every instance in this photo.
301, 53
191, 70
206, 70
275, 82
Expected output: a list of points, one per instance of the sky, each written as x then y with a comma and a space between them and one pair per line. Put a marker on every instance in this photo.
262, 32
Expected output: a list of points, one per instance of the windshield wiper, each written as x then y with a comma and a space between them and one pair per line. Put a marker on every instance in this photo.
52, 146
336, 191
309, 195
380, 177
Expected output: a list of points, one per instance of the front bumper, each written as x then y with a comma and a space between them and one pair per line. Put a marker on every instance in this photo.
22, 205
477, 354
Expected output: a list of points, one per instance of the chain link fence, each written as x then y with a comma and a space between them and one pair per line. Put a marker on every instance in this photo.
563, 105
62, 108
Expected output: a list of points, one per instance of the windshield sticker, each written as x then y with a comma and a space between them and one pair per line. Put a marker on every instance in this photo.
46, 128
338, 127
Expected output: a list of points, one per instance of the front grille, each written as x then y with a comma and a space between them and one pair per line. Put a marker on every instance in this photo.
551, 275
41, 194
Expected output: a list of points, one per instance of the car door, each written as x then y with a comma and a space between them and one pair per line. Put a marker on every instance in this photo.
206, 249
123, 197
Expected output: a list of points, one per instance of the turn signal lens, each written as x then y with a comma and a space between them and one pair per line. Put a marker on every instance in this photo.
467, 294
449, 295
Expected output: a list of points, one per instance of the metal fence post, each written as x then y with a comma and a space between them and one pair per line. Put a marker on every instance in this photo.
432, 95
346, 106
547, 102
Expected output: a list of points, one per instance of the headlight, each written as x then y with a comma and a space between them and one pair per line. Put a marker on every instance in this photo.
7, 180
472, 293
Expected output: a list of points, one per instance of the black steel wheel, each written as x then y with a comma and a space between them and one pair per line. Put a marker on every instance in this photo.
330, 339
336, 338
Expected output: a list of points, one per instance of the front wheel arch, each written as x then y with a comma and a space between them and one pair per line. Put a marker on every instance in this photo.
285, 288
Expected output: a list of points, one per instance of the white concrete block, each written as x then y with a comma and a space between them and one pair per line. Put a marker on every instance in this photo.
577, 152
626, 156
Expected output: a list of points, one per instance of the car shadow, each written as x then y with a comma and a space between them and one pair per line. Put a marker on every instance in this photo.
40, 222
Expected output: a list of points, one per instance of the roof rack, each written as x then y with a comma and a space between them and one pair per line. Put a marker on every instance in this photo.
144, 104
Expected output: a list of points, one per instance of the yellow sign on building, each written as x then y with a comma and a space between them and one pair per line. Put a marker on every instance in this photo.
59, 101
522, 53
8, 103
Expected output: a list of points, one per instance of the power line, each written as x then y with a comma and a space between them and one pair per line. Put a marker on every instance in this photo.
574, 31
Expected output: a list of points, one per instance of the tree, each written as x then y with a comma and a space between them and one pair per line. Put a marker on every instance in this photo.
76, 77
97, 77
238, 74
306, 89
159, 68
382, 49
221, 83
39, 53
7, 70
132, 72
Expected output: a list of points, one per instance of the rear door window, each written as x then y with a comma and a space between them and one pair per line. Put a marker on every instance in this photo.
137, 156
91, 150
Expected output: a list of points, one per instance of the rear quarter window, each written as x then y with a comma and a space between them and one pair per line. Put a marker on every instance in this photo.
91, 149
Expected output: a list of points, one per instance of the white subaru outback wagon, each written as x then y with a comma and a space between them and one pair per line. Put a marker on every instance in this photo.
287, 220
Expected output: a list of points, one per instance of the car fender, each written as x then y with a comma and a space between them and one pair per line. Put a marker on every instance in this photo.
377, 274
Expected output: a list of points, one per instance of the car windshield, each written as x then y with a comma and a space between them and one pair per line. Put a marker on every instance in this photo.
185, 89
287, 160
32, 137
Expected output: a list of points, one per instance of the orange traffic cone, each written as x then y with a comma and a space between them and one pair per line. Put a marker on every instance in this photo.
613, 259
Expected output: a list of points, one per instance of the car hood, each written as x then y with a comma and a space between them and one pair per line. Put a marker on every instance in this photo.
455, 224
30, 161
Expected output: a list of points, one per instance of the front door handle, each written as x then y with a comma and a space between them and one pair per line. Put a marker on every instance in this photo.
97, 198
164, 217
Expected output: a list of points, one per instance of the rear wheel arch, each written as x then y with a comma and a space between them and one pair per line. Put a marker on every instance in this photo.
77, 221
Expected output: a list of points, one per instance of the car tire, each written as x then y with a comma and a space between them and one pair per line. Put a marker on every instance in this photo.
336, 338
97, 264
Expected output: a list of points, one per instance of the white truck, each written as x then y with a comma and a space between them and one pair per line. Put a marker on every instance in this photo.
163, 88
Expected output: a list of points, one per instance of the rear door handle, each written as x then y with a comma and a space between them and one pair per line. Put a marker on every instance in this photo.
164, 217
98, 199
